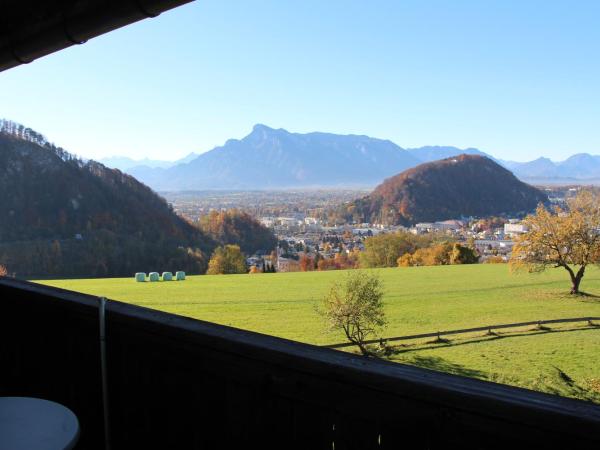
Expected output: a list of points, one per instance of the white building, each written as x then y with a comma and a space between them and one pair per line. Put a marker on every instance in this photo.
287, 221
365, 231
449, 225
446, 225
487, 245
424, 227
514, 229
268, 222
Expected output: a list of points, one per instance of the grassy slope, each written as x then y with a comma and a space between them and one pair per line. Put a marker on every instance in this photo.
419, 299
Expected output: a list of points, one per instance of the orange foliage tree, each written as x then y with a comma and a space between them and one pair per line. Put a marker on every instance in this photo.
567, 238
306, 263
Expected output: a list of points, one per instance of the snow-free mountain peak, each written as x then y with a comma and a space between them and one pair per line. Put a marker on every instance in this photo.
275, 158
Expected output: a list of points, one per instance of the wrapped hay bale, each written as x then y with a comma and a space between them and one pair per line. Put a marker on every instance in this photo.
167, 276
153, 276
180, 275
140, 277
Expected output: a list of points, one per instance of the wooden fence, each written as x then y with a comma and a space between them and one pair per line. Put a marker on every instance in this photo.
488, 328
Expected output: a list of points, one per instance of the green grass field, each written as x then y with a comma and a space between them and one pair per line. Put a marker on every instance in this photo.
565, 360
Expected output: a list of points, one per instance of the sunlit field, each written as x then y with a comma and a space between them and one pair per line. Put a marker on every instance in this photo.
563, 359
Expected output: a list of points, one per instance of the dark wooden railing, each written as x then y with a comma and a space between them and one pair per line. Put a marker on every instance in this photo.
174, 382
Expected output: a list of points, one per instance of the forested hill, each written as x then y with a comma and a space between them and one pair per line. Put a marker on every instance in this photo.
465, 185
60, 216
237, 227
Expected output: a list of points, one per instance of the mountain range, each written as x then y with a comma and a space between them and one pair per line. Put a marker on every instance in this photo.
124, 163
578, 168
269, 158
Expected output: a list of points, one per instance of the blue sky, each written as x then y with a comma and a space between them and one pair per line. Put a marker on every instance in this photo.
518, 79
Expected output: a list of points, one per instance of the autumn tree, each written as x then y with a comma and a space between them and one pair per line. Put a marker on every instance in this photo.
438, 255
356, 307
494, 260
273, 257
384, 250
405, 260
227, 259
3, 271
567, 238
306, 263
326, 264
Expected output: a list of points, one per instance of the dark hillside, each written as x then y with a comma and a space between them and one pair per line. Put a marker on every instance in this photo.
465, 185
237, 227
60, 216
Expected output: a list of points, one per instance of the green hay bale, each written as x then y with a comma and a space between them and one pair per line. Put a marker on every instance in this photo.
140, 277
154, 276
180, 275
167, 276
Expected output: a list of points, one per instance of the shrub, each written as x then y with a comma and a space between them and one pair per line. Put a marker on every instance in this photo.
356, 307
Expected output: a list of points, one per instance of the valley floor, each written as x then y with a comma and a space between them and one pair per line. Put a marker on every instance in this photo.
564, 360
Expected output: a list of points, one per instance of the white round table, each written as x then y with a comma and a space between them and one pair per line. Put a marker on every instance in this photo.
32, 423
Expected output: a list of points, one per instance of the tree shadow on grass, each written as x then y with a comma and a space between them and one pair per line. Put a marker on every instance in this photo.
588, 295
560, 383
443, 365
555, 382
580, 296
588, 298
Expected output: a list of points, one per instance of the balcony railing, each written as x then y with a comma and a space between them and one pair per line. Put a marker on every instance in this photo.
174, 382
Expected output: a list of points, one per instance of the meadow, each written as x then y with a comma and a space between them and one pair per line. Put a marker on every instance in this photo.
563, 359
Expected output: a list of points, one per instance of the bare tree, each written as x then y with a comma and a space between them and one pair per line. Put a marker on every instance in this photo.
568, 238
356, 307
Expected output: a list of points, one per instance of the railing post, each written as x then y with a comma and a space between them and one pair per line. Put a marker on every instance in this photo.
102, 335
